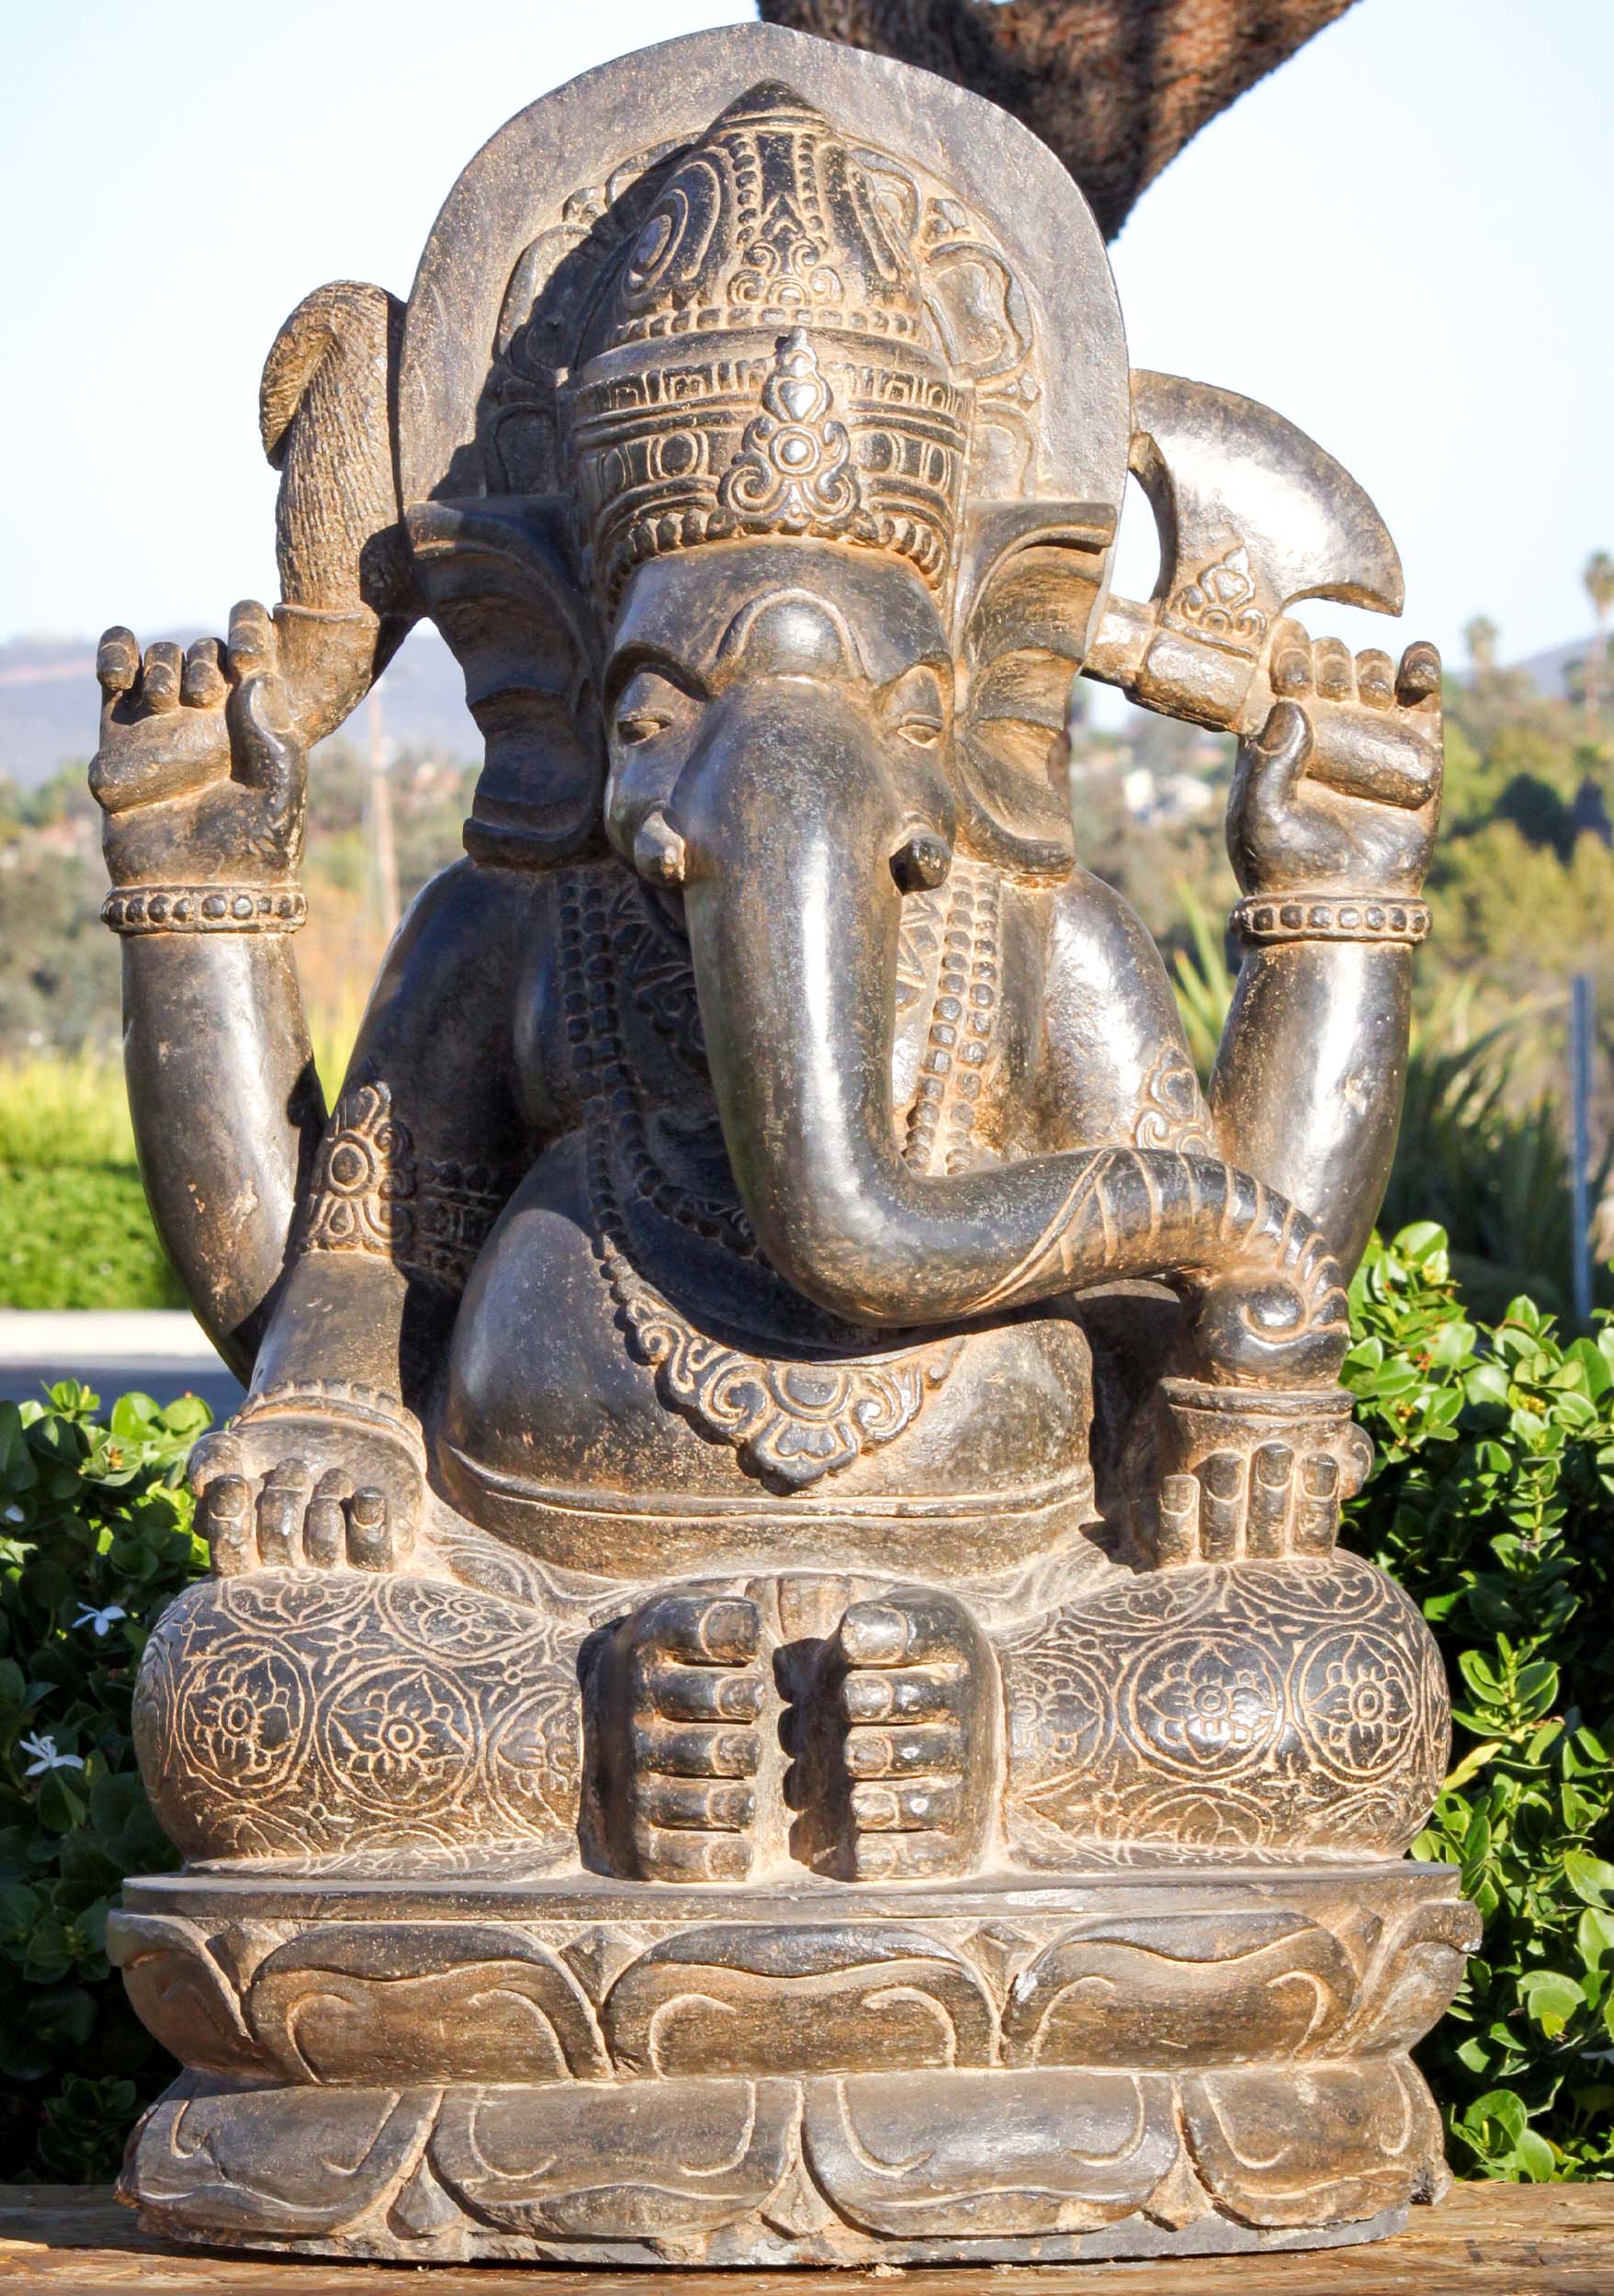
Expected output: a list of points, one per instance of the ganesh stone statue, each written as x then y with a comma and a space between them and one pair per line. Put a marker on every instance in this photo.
777, 1685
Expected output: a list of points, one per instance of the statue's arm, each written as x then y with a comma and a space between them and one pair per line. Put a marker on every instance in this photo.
227, 1111
202, 781
201, 774
426, 1140
1309, 1078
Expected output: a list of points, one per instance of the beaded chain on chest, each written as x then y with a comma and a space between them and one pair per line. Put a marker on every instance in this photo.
958, 1045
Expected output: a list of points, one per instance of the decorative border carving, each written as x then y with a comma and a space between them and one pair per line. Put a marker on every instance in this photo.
1222, 601
1272, 918
1172, 1111
283, 1714
1237, 1712
334, 1398
963, 1018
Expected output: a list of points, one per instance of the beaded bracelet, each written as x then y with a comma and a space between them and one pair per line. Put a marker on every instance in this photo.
1265, 918
205, 909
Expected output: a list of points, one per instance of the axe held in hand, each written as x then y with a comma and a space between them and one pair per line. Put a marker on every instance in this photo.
1252, 516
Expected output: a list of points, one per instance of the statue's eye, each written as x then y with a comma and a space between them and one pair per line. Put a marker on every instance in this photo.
915, 707
647, 705
641, 726
922, 729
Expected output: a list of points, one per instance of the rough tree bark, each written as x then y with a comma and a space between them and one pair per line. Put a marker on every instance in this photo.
1116, 87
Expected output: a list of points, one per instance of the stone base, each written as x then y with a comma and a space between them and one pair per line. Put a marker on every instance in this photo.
1137, 2062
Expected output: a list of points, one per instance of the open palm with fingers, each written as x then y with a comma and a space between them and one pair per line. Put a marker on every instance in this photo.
199, 773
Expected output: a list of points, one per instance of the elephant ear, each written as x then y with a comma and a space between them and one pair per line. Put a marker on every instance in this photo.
499, 581
325, 413
1029, 588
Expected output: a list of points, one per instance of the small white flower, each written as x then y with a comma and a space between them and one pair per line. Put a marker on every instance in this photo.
13, 1513
43, 1748
99, 1619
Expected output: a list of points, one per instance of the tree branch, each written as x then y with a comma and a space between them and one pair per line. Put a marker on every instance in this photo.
1115, 87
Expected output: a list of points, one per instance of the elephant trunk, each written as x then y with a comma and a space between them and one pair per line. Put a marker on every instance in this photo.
790, 816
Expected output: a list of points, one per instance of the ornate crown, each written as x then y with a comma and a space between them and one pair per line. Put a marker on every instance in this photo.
763, 362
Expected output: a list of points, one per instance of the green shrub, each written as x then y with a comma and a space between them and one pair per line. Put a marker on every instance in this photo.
95, 1539
80, 1236
1492, 1499
75, 1229
58, 1108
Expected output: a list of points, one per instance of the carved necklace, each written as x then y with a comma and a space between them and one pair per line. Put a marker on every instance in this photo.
792, 1420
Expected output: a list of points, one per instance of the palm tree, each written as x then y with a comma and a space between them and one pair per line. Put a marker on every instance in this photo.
1480, 636
1598, 578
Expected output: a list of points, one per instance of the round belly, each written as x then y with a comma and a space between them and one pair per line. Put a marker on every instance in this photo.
598, 1416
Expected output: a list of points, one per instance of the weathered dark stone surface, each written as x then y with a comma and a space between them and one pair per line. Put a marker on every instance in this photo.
777, 1685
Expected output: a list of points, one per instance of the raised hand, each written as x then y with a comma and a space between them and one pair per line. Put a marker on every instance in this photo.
201, 773
1252, 1507
1339, 790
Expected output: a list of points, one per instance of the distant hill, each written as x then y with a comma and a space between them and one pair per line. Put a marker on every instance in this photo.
49, 702
1548, 672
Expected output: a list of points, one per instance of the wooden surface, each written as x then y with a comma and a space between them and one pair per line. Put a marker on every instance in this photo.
1486, 2240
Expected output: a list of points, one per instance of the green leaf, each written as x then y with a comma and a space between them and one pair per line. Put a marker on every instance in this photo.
1480, 1674
1502, 2106
1535, 1688
1536, 2161
1552, 2000
1472, 1762
61, 1806
1592, 1879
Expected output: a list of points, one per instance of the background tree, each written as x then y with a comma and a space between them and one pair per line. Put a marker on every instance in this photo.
1598, 578
1115, 87
1480, 636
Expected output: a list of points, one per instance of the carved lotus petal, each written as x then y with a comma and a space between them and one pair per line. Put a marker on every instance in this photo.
993, 2152
755, 1999
275, 2161
1172, 1988
1315, 2144
616, 2164
180, 1993
424, 2002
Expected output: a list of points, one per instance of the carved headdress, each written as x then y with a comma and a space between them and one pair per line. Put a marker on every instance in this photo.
762, 361
885, 319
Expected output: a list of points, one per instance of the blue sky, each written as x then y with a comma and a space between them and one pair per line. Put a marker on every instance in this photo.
1400, 241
